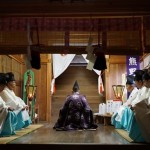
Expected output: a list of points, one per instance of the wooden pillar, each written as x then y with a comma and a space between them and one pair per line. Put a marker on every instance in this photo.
142, 36
49, 98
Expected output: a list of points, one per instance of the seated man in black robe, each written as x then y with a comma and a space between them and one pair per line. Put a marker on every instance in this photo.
75, 113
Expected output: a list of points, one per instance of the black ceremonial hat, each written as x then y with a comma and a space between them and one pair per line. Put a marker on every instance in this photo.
2, 79
75, 86
139, 72
130, 79
9, 77
138, 75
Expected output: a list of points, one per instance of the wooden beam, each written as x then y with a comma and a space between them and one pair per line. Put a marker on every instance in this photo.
17, 58
15, 49
85, 8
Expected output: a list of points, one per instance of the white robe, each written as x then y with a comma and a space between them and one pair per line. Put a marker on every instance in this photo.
143, 93
10, 99
14, 101
140, 95
3, 113
132, 96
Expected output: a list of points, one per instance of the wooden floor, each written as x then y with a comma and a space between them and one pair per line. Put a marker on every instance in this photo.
46, 138
47, 135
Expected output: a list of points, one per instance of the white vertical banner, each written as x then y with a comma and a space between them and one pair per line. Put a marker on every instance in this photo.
124, 96
100, 85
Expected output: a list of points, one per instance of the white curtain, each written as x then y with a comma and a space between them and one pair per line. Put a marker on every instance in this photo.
60, 64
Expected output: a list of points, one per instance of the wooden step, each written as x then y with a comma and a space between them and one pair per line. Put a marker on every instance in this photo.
81, 86
86, 92
81, 81
78, 75
78, 70
90, 99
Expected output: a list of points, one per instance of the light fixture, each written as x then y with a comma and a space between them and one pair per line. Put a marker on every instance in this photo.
30, 89
118, 91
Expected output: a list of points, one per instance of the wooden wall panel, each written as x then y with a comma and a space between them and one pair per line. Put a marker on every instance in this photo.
42, 81
17, 70
6, 64
10, 64
114, 74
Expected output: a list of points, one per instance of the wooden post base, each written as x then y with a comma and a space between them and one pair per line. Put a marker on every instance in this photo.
104, 119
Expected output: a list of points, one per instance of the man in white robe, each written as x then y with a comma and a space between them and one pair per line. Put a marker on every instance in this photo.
116, 118
131, 89
20, 108
8, 118
142, 94
142, 111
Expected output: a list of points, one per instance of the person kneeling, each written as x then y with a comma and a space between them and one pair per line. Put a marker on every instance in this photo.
76, 113
8, 119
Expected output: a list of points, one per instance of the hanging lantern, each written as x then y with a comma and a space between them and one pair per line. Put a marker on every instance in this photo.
30, 89
118, 91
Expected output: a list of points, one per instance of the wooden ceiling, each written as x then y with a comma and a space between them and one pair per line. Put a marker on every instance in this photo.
117, 42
